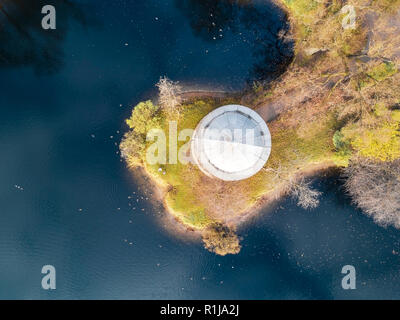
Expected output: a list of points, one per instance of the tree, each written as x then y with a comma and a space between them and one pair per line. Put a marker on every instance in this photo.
221, 239
307, 197
375, 187
132, 148
381, 142
297, 187
169, 96
145, 116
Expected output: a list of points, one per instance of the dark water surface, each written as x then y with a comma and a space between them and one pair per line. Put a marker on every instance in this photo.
67, 200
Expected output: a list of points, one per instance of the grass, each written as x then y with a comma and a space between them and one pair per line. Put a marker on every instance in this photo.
303, 9
388, 5
199, 201
170, 176
178, 178
382, 71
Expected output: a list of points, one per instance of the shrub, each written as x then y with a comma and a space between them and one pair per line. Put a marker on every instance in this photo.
340, 143
221, 239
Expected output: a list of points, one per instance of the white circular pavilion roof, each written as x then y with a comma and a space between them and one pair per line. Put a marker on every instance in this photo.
231, 143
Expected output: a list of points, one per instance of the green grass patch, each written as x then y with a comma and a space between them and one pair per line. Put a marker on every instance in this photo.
302, 8
382, 71
195, 198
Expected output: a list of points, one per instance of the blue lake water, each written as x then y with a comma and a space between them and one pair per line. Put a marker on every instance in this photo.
67, 200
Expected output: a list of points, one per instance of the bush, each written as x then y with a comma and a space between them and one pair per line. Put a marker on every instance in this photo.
340, 143
221, 239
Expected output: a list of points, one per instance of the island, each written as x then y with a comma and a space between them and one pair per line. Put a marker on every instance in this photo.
337, 105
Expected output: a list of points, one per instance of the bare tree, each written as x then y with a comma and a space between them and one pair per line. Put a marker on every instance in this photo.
169, 95
297, 187
307, 197
375, 188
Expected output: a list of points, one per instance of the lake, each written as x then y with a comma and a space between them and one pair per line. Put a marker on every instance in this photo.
67, 199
